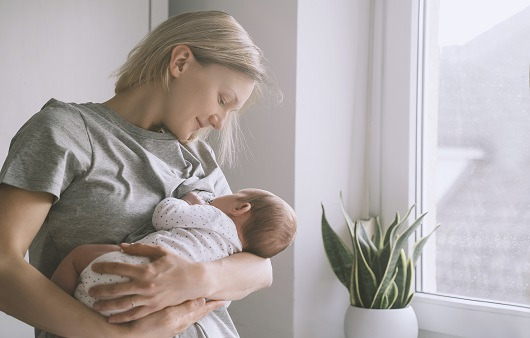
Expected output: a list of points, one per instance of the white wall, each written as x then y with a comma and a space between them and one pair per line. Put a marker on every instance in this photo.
330, 122
269, 131
63, 49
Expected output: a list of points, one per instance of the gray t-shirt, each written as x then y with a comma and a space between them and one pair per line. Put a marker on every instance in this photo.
107, 176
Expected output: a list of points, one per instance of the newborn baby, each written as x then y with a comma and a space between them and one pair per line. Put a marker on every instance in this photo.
251, 220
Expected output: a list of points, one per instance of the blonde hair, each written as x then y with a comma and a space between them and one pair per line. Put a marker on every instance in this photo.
214, 37
271, 227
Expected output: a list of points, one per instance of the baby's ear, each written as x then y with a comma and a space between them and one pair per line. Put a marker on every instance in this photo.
241, 209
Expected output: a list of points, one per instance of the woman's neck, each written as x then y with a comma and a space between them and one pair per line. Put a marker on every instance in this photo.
143, 106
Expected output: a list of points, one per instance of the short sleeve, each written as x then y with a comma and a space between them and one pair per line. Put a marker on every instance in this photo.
49, 151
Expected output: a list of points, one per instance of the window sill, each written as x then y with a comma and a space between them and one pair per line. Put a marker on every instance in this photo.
468, 318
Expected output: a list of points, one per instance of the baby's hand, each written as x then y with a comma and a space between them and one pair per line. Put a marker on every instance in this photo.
192, 198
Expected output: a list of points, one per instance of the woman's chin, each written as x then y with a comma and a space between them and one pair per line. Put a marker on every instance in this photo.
182, 136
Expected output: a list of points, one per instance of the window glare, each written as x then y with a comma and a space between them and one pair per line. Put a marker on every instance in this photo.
455, 26
476, 176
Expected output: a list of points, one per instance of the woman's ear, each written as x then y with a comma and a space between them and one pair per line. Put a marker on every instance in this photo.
181, 56
241, 209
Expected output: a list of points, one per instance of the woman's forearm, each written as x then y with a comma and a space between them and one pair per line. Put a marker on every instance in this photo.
25, 293
236, 276
29, 296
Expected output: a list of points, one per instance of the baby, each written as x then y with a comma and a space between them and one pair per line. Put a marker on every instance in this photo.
251, 220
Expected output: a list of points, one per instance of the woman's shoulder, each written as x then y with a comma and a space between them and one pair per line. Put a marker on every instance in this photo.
57, 105
57, 123
57, 114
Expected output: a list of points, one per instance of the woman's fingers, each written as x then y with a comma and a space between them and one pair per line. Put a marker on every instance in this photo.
119, 304
130, 315
195, 308
104, 291
117, 268
208, 307
191, 311
166, 280
173, 320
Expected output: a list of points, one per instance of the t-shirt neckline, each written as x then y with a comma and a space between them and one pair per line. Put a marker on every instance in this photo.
122, 122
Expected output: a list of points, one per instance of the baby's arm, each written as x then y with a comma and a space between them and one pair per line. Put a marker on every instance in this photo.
173, 212
176, 213
66, 275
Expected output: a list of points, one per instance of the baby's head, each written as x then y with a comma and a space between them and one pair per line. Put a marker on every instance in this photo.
265, 223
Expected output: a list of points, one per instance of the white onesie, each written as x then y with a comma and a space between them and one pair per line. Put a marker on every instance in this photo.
198, 233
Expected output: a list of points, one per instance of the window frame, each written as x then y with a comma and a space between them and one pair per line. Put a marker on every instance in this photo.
395, 163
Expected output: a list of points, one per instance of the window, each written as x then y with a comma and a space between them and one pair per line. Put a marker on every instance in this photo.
448, 133
475, 138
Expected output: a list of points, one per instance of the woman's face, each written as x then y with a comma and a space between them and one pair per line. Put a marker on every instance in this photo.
203, 96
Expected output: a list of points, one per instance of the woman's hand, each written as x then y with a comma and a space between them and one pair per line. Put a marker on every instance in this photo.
168, 280
172, 320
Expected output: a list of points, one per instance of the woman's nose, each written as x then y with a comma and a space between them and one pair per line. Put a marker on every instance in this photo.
217, 121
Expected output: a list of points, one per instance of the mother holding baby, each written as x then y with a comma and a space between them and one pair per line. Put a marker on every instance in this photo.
93, 173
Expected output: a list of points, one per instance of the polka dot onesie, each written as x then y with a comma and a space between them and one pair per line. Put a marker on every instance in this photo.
198, 233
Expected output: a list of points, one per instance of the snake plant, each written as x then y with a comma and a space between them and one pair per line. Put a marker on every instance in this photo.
377, 272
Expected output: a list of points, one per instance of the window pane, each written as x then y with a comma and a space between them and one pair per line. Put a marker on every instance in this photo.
476, 148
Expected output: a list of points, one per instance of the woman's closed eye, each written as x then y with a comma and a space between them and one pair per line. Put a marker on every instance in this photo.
221, 100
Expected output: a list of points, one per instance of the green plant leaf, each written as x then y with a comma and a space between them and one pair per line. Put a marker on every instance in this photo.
393, 295
394, 255
349, 222
411, 296
382, 262
386, 293
367, 246
403, 222
367, 283
401, 279
378, 271
378, 238
417, 248
364, 237
355, 289
394, 232
408, 286
386, 237
384, 302
339, 255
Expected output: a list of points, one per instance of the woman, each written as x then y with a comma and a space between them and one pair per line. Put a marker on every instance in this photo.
92, 173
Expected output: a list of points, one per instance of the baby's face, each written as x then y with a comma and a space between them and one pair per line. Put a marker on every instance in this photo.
228, 202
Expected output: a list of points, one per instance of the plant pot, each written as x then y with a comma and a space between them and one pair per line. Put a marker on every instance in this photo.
375, 323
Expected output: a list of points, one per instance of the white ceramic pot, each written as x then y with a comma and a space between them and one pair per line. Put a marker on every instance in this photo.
373, 323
